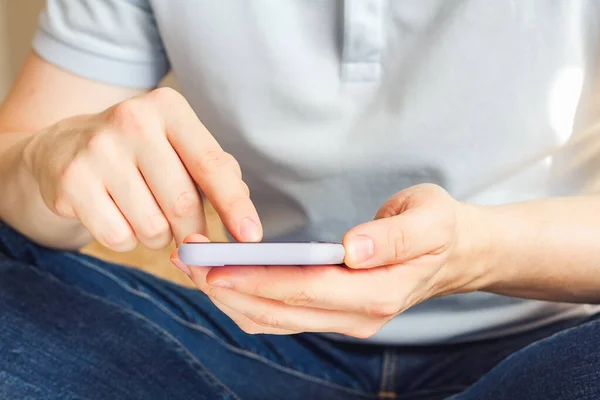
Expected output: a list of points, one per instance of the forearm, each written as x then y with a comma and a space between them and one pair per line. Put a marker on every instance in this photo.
21, 204
547, 249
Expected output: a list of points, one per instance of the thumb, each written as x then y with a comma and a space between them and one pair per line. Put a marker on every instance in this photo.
393, 240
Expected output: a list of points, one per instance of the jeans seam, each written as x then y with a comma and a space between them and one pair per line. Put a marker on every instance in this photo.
393, 365
385, 366
211, 334
190, 358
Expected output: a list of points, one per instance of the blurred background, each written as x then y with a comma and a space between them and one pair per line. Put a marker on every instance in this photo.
18, 22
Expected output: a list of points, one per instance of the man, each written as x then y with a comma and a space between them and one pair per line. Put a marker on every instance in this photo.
474, 280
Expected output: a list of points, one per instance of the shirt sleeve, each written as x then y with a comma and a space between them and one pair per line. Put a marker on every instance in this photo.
111, 41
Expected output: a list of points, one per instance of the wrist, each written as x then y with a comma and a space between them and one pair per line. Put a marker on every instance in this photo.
474, 248
12, 169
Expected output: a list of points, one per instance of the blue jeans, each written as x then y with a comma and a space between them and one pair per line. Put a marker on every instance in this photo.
75, 327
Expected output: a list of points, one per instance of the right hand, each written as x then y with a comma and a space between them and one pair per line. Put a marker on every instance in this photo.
129, 174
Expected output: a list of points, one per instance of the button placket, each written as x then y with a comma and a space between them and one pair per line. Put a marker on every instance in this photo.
363, 39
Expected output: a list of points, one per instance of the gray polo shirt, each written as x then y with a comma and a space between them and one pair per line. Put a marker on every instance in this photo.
330, 108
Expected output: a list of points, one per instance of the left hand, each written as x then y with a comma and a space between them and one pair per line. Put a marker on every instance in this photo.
422, 244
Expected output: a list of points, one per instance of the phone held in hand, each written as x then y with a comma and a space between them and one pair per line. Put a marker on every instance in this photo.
222, 254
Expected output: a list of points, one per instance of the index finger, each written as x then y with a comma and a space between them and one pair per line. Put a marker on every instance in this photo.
326, 287
216, 172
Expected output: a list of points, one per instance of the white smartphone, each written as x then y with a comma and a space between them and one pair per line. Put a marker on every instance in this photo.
221, 254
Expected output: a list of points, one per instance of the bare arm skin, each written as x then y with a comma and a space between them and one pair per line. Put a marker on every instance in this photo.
81, 159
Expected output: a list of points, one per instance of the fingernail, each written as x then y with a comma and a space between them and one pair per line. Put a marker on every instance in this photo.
360, 249
250, 230
222, 283
181, 266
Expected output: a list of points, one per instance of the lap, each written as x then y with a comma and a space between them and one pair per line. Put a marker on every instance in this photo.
93, 329
562, 366
476, 370
58, 343
72, 326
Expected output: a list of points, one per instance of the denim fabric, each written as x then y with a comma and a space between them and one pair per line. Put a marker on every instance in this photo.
75, 327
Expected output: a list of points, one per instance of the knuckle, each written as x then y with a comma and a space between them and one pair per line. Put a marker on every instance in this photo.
157, 227
157, 233
187, 204
216, 160
71, 173
119, 240
412, 299
126, 115
165, 95
398, 244
430, 188
382, 309
103, 142
134, 117
304, 297
233, 203
387, 211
